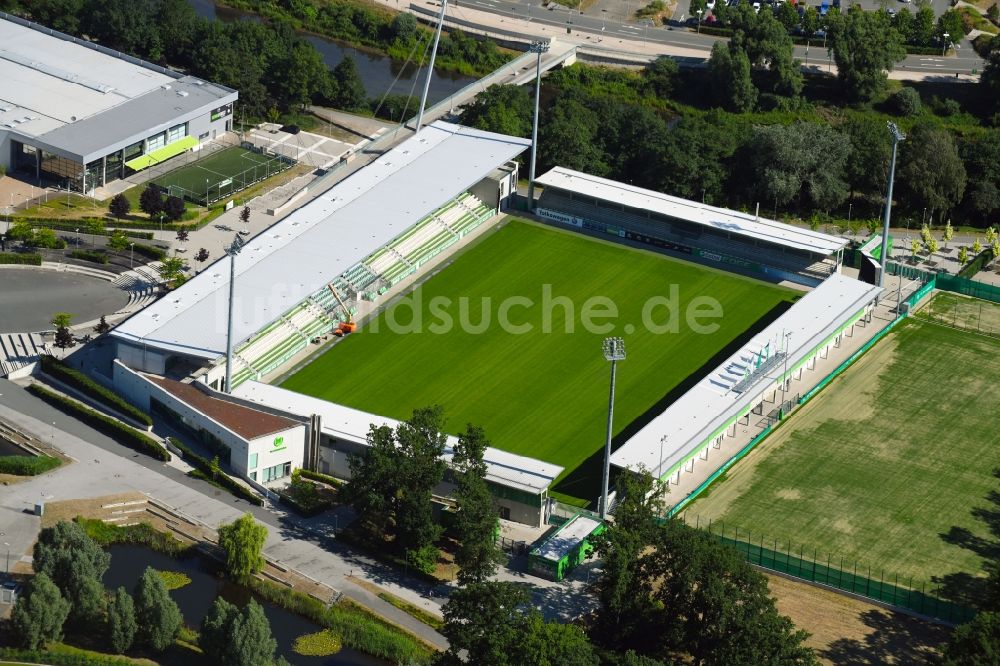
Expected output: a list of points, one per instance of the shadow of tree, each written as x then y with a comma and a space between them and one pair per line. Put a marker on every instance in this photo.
893, 638
964, 588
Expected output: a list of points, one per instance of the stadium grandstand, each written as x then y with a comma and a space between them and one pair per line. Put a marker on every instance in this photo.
707, 234
364, 235
698, 421
519, 484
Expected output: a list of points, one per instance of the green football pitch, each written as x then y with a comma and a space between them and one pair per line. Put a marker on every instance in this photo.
885, 466
242, 166
539, 394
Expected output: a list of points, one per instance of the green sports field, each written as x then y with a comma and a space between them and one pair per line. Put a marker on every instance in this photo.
539, 394
243, 167
882, 465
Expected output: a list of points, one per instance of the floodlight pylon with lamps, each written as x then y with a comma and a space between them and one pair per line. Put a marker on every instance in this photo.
538, 47
232, 250
614, 351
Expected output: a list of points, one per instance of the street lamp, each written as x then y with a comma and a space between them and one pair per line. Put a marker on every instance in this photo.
7, 568
784, 377
538, 47
897, 136
232, 251
659, 466
161, 221
78, 238
131, 254
614, 351
699, 13
944, 43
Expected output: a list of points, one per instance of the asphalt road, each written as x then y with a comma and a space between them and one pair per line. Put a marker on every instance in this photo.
609, 26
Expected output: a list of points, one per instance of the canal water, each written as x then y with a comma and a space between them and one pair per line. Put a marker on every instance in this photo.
379, 72
194, 599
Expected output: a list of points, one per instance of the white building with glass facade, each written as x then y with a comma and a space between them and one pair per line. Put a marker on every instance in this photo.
78, 115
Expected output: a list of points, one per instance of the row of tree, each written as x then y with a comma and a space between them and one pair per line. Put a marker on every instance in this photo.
623, 125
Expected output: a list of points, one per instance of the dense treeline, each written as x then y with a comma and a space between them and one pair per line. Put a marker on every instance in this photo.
656, 129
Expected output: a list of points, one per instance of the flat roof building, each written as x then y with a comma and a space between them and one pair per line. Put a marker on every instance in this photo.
79, 114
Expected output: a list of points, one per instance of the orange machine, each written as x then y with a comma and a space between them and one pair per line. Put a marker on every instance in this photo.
348, 326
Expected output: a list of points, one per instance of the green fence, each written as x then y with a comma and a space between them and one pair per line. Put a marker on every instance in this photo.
835, 571
959, 285
977, 264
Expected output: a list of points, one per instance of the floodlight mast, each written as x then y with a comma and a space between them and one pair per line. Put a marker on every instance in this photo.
614, 351
897, 136
538, 47
430, 67
232, 251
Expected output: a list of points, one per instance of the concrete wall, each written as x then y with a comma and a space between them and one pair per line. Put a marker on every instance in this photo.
142, 359
6, 157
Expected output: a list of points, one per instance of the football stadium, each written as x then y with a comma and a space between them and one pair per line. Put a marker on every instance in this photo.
406, 285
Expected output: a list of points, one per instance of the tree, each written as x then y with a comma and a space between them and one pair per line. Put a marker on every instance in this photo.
151, 200
102, 326
976, 643
501, 108
119, 206
661, 76
963, 256
991, 235
20, 231
173, 208
923, 25
930, 172
787, 15
118, 240
171, 269
989, 80
231, 637
243, 540
994, 13
914, 248
350, 88
865, 48
729, 69
977, 247
950, 22
245, 215
907, 102
64, 552
61, 320
476, 521
156, 613
932, 246
810, 20
867, 168
202, 255
122, 625
182, 235
39, 613
949, 233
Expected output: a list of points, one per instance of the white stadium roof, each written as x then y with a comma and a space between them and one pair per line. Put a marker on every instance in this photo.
353, 425
722, 395
723, 219
300, 254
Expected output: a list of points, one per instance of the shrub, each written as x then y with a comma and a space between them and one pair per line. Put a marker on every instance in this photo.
95, 256
946, 107
27, 465
116, 430
304, 498
323, 478
907, 102
212, 475
65, 656
22, 258
151, 251
142, 534
78, 380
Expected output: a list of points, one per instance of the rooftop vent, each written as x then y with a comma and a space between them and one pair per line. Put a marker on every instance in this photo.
182, 93
165, 86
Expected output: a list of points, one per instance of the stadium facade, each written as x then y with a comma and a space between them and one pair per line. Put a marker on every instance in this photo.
81, 115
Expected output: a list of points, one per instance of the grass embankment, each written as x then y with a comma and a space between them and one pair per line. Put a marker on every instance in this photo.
540, 393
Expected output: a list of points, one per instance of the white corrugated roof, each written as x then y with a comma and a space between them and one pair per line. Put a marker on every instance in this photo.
723, 219
567, 538
694, 417
350, 424
321, 240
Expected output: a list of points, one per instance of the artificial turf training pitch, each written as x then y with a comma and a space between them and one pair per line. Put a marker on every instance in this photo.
885, 466
233, 163
538, 394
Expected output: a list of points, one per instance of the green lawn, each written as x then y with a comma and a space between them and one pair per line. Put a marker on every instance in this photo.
539, 394
242, 166
884, 464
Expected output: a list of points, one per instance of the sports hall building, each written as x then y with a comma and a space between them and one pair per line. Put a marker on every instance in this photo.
80, 115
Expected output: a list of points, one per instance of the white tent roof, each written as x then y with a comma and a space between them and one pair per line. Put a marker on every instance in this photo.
723, 219
352, 425
321, 240
693, 418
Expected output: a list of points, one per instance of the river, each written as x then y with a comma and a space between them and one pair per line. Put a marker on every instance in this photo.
194, 599
379, 72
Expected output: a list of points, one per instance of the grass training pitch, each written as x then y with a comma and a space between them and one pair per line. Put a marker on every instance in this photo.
242, 166
885, 466
539, 394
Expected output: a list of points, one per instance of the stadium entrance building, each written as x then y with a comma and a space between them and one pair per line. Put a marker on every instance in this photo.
707, 234
82, 115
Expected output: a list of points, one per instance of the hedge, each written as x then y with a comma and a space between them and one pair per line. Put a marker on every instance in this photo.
150, 251
977, 264
78, 380
27, 465
96, 256
223, 479
68, 658
116, 430
26, 259
142, 534
81, 224
322, 478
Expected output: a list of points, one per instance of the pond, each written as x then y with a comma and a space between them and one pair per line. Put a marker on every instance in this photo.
194, 599
11, 449
378, 71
